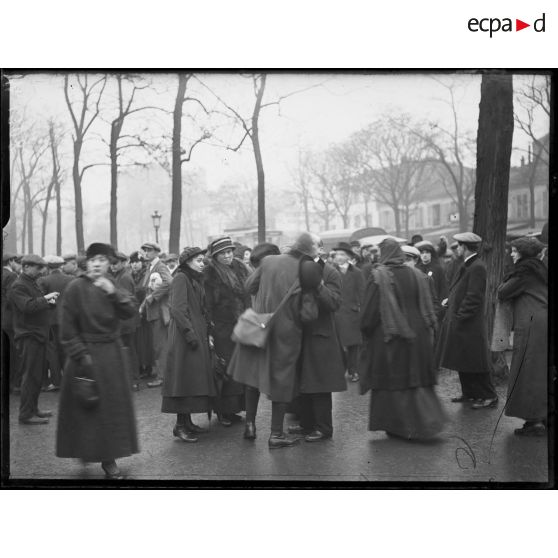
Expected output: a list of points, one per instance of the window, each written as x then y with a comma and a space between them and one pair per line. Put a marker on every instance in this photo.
522, 206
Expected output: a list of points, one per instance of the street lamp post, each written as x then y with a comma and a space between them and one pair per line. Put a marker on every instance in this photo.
156, 224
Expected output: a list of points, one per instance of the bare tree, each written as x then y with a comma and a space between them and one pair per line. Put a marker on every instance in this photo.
494, 143
83, 113
237, 202
302, 180
534, 101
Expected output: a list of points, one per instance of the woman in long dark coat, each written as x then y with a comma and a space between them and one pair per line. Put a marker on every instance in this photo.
226, 299
526, 287
398, 323
188, 385
90, 317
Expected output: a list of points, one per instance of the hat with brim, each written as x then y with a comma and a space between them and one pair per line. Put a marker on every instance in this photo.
221, 244
425, 245
120, 256
467, 238
33, 259
54, 261
190, 252
151, 246
410, 251
99, 249
345, 247
69, 257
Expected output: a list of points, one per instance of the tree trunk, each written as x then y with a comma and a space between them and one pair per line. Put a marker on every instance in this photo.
532, 176
494, 143
115, 129
255, 137
58, 219
28, 203
80, 240
176, 203
463, 216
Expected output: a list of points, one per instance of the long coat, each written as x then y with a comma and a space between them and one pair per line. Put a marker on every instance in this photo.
8, 277
399, 363
89, 325
273, 370
322, 369
463, 343
527, 387
188, 371
347, 317
157, 300
125, 282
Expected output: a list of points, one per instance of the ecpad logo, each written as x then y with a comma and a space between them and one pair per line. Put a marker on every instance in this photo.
492, 25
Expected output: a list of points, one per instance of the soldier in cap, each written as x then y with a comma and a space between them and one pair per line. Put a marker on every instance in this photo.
11, 267
155, 306
31, 320
54, 281
463, 344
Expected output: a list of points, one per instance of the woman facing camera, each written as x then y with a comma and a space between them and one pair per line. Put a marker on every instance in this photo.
526, 287
96, 419
188, 385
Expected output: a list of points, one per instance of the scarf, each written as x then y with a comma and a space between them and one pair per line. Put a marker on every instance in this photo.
192, 274
529, 266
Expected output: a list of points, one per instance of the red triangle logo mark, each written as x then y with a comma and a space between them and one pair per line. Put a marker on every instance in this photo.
519, 25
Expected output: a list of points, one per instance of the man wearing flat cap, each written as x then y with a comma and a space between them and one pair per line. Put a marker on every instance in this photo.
54, 281
463, 344
11, 268
70, 266
31, 321
155, 306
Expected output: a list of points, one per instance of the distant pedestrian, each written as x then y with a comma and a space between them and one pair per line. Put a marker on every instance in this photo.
526, 287
101, 428
31, 321
463, 343
398, 323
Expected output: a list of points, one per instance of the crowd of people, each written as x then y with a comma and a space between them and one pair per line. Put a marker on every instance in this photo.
100, 325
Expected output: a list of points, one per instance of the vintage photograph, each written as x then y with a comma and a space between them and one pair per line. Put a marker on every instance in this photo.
274, 277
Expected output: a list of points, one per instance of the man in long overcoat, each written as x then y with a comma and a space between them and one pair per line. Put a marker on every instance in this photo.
11, 267
31, 323
156, 306
463, 344
347, 317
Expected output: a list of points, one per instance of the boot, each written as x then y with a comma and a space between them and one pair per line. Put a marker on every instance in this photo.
250, 431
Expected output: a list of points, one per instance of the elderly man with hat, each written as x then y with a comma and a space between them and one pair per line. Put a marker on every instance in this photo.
463, 343
31, 320
155, 306
11, 267
347, 317
54, 281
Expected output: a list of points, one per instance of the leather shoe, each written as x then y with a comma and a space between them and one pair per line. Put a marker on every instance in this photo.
354, 377
184, 435
281, 441
195, 429
50, 387
223, 420
155, 383
316, 436
484, 403
298, 429
461, 399
33, 420
111, 470
43, 414
250, 431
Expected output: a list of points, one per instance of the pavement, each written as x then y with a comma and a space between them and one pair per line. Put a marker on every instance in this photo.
475, 447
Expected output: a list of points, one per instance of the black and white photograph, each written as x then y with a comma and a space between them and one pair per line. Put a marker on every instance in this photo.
283, 277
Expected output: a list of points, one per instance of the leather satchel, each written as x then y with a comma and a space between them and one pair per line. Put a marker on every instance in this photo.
252, 328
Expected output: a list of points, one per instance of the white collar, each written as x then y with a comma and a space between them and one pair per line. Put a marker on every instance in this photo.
469, 257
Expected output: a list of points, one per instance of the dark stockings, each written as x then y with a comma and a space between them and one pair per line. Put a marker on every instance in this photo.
252, 399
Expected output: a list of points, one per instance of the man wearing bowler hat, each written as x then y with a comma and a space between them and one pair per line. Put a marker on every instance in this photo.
156, 306
11, 267
31, 324
463, 342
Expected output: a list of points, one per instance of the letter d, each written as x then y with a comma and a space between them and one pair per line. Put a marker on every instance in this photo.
536, 24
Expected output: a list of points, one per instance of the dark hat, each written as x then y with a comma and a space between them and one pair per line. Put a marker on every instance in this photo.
136, 257
190, 252
528, 246
151, 245
220, 244
345, 247
7, 256
54, 261
33, 259
69, 257
467, 238
99, 249
121, 256
262, 250
304, 244
425, 245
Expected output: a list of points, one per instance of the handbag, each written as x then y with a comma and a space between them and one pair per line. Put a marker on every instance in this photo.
252, 328
85, 388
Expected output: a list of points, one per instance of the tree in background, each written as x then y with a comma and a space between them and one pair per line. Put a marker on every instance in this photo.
494, 143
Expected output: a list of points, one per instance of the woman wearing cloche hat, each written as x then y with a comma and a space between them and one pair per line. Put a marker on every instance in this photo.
188, 385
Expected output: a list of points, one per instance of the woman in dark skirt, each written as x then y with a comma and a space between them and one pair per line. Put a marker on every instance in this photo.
398, 324
188, 385
526, 287
226, 299
90, 317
